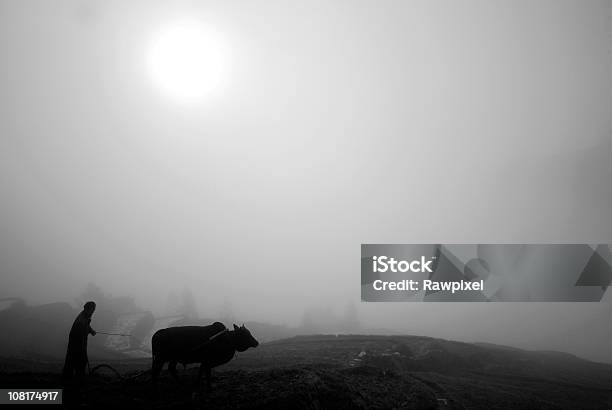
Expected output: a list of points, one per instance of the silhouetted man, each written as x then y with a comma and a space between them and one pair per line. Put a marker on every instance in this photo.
76, 355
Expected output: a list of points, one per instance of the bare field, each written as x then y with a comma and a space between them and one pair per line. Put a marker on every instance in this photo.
316, 372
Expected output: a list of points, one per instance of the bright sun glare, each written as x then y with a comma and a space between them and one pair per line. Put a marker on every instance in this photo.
187, 61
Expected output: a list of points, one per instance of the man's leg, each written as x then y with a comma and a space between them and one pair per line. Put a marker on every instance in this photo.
68, 367
79, 368
71, 389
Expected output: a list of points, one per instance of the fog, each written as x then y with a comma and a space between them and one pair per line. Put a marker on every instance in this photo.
339, 123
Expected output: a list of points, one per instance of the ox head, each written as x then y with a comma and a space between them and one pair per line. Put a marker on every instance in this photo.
243, 338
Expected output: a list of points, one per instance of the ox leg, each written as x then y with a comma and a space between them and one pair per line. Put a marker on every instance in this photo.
196, 386
158, 363
198, 379
172, 370
208, 377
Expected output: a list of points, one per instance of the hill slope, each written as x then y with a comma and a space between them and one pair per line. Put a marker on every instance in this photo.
313, 372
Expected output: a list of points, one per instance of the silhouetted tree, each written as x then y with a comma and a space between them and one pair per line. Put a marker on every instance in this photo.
351, 318
173, 306
189, 308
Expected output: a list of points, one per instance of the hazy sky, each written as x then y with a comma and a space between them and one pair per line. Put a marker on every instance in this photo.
338, 123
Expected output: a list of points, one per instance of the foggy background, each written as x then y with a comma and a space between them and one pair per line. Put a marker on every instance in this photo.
340, 123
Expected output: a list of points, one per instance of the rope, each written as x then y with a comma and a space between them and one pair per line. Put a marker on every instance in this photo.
119, 375
100, 366
93, 370
210, 339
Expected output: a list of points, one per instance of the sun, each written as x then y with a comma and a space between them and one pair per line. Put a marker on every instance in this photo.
188, 60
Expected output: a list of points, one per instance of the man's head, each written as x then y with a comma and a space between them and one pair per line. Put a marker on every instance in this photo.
89, 308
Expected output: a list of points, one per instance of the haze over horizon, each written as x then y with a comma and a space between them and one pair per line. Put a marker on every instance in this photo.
336, 124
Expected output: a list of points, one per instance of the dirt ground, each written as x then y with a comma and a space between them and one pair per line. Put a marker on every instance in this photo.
347, 372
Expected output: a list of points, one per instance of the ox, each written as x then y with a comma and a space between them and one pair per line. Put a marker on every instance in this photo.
211, 346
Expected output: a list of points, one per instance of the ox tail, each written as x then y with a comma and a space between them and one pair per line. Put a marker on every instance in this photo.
155, 359
154, 347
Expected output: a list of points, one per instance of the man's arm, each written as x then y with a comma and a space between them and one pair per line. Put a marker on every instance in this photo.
90, 330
